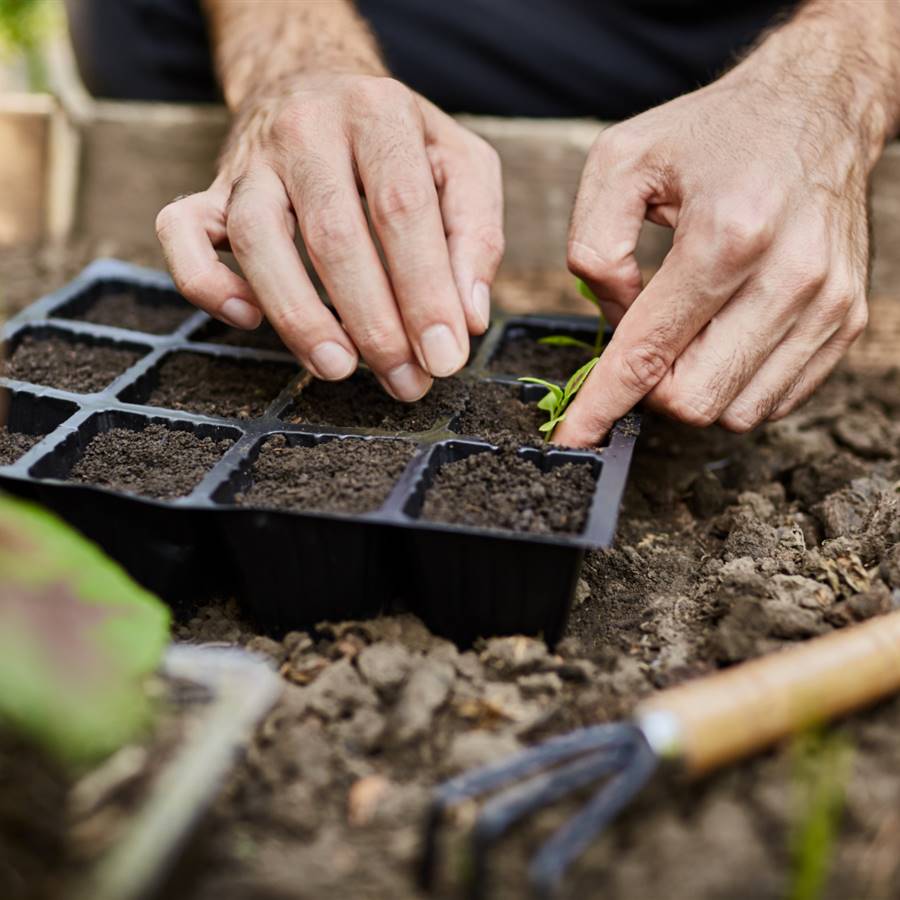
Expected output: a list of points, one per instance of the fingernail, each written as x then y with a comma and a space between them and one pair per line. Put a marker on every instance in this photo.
481, 304
442, 353
332, 361
240, 313
408, 382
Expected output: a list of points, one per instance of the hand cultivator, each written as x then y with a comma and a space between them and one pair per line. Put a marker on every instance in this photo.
699, 726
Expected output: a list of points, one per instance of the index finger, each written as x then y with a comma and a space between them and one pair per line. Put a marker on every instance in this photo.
678, 302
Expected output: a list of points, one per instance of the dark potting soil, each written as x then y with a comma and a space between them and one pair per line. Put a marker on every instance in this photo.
263, 338
496, 413
351, 475
68, 365
361, 402
218, 387
14, 445
502, 490
159, 462
124, 309
524, 355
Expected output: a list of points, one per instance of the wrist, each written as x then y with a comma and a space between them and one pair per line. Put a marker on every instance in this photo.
839, 68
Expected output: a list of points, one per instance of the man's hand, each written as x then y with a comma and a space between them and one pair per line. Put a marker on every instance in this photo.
302, 152
763, 176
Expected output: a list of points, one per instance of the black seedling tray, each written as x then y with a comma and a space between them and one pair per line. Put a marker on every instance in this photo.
293, 569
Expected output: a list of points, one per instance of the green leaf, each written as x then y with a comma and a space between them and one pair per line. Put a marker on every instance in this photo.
549, 401
577, 380
77, 636
586, 292
547, 384
564, 340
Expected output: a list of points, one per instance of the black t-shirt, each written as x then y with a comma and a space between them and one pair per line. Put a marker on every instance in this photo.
602, 58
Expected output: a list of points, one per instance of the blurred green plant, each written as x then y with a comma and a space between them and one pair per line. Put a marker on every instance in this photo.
821, 770
24, 25
77, 637
557, 399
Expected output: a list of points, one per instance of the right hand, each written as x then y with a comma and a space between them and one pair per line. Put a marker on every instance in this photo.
304, 157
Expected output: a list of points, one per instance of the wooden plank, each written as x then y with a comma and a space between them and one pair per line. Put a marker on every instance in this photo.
24, 137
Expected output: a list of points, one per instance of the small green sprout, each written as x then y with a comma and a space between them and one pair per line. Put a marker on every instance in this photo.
557, 399
565, 340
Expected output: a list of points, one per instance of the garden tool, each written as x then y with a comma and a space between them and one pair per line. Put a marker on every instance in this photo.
700, 726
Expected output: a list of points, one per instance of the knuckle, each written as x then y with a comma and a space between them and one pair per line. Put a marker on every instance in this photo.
329, 233
642, 367
492, 242
738, 421
381, 93
741, 230
197, 286
167, 217
400, 200
248, 225
857, 319
614, 143
692, 409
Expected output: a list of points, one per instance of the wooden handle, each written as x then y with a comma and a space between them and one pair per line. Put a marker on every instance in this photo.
723, 717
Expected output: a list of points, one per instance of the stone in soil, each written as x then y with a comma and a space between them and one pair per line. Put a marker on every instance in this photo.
70, 365
502, 490
160, 314
351, 475
14, 445
263, 338
496, 413
524, 355
158, 462
218, 387
361, 402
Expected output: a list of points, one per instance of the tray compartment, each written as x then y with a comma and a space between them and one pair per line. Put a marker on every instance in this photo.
163, 545
117, 303
297, 568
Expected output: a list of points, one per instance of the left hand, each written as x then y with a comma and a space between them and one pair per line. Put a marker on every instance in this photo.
763, 176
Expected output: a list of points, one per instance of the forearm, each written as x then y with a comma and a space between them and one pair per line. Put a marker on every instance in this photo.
258, 46
838, 59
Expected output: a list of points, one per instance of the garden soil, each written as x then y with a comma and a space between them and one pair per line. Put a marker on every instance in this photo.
126, 310
728, 547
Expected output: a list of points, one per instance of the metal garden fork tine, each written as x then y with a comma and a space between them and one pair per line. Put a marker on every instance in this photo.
556, 855
519, 800
495, 775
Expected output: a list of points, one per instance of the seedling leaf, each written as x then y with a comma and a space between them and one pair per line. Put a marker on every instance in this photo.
565, 340
577, 380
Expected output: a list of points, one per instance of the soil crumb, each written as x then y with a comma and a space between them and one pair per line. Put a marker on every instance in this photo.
158, 462
350, 475
361, 402
70, 365
218, 387
158, 313
524, 355
496, 413
263, 338
13, 445
502, 490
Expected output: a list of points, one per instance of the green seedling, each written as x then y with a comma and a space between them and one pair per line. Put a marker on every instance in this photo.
565, 340
557, 399
821, 772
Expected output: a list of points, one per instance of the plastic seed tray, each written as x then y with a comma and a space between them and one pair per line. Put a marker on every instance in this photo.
291, 569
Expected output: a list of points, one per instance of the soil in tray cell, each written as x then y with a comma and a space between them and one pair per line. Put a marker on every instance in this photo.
13, 445
218, 387
523, 355
496, 413
159, 462
263, 338
156, 314
361, 402
350, 475
503, 490
69, 365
